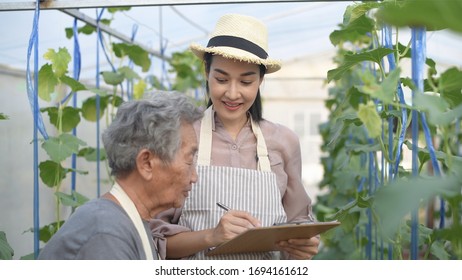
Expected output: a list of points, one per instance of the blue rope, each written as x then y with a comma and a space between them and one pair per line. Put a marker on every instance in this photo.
32, 93
392, 172
418, 62
77, 67
32, 87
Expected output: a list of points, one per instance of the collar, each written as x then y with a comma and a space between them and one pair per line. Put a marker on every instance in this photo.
217, 120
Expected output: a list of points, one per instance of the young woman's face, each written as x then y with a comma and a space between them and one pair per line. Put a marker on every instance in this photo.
233, 87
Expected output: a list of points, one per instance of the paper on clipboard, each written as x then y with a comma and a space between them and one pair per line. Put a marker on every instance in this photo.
263, 239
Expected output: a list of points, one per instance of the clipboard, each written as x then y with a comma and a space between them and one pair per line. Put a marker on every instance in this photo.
263, 239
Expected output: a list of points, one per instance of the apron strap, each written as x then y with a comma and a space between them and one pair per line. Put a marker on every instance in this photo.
262, 150
129, 207
205, 144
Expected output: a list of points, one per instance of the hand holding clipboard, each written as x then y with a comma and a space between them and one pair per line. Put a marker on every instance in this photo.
264, 239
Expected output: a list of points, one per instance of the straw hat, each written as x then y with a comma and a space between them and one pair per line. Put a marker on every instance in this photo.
239, 37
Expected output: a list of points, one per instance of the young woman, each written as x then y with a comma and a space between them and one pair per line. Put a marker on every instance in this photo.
244, 161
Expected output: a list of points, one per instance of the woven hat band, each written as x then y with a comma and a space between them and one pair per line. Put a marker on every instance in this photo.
238, 43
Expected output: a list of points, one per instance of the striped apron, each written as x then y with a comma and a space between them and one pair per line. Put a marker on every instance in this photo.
254, 191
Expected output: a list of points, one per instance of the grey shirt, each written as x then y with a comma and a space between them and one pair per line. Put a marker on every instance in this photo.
98, 230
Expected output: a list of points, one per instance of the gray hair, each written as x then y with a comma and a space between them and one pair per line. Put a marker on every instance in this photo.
152, 123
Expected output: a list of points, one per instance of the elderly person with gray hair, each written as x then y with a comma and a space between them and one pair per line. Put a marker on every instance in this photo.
151, 147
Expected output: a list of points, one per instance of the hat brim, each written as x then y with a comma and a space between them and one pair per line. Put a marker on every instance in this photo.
237, 54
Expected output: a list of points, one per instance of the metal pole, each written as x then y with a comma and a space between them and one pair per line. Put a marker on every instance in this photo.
68, 4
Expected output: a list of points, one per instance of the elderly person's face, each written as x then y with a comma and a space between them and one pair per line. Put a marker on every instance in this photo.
173, 181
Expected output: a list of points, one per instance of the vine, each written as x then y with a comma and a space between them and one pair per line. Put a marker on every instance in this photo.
370, 188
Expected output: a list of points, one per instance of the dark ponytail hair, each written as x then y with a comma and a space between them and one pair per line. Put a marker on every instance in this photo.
256, 109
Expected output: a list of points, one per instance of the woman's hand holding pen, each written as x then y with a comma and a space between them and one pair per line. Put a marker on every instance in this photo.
232, 223
300, 249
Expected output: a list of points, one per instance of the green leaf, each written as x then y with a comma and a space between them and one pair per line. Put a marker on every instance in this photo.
355, 97
137, 54
51, 173
139, 89
69, 32
438, 250
80, 198
343, 212
89, 108
356, 31
70, 117
368, 115
47, 82
451, 234
66, 199
356, 11
384, 91
59, 60
450, 86
113, 10
113, 78
128, 73
363, 148
72, 83
454, 162
87, 29
73, 200
188, 70
61, 147
28, 257
336, 130
364, 202
351, 60
437, 109
46, 232
6, 252
90, 154
405, 195
3, 117
433, 15
100, 92
115, 100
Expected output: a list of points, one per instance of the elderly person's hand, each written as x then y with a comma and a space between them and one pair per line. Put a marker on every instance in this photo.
300, 249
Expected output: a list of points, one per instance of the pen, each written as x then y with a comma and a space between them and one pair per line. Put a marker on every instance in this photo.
222, 206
